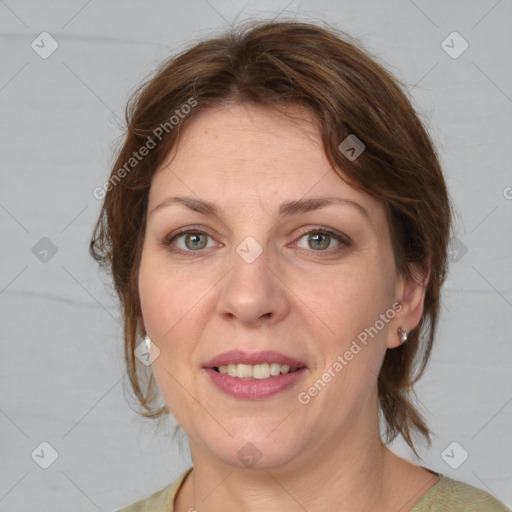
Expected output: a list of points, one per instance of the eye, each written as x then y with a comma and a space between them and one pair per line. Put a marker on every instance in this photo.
189, 241
320, 240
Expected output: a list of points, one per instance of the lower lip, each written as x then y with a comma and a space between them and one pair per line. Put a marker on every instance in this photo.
254, 389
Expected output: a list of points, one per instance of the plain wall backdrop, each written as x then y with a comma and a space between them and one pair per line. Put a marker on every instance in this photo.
61, 366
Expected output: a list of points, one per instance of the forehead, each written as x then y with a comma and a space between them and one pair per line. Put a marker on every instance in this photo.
248, 139
252, 157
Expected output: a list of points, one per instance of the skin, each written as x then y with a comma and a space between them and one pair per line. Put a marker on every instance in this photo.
307, 300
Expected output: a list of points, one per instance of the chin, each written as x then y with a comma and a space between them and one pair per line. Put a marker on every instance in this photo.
257, 456
255, 447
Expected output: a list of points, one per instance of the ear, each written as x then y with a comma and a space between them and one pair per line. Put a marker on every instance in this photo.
410, 293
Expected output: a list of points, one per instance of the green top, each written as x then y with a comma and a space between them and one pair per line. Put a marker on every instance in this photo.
447, 495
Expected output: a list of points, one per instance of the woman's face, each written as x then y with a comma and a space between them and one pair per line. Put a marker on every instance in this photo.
254, 244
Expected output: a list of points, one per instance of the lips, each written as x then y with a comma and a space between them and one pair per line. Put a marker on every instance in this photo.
244, 383
253, 358
254, 389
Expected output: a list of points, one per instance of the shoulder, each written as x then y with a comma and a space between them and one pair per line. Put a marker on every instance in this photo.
160, 501
453, 496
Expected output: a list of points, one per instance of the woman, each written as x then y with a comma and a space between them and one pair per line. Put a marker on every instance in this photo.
276, 224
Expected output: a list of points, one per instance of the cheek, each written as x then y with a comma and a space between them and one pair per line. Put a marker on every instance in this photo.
347, 304
349, 346
347, 300
172, 311
167, 299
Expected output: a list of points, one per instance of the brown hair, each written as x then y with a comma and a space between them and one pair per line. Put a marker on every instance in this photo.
278, 64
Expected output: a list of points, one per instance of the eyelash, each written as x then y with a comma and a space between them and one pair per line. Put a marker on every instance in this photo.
344, 241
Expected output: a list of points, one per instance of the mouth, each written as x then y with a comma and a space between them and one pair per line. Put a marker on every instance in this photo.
258, 371
254, 375
254, 365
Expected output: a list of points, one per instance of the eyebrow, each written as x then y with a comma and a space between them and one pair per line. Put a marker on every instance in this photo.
286, 209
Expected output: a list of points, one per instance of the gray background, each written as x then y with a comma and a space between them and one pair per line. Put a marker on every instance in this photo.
61, 369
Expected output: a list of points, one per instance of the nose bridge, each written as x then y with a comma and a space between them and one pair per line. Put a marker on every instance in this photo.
251, 292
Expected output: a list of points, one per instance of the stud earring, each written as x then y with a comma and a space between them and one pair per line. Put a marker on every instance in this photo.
403, 335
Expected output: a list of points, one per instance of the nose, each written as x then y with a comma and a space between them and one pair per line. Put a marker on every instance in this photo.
252, 292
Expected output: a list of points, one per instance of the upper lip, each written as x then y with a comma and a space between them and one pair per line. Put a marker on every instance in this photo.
252, 358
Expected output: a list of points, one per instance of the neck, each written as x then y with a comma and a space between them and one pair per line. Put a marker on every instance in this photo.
358, 474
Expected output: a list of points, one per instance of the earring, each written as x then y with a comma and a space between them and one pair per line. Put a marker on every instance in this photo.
403, 335
147, 341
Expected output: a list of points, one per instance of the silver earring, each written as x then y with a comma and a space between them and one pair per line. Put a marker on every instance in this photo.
147, 341
403, 335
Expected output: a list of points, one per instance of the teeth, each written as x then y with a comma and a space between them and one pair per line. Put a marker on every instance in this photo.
244, 371
257, 371
261, 371
275, 369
